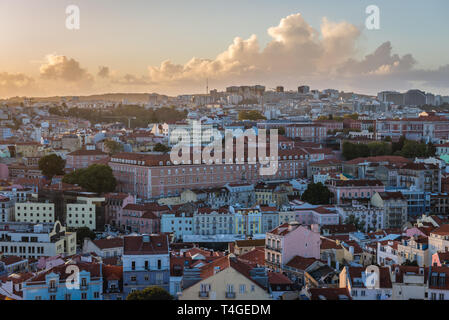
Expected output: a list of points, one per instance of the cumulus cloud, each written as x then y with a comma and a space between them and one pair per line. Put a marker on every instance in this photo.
58, 67
296, 53
299, 53
13, 84
295, 49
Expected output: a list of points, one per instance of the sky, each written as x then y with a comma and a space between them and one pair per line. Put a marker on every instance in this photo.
173, 46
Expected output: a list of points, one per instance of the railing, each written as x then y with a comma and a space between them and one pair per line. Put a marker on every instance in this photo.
230, 295
203, 294
52, 289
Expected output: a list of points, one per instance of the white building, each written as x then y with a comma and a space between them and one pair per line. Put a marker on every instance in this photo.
29, 240
35, 212
371, 216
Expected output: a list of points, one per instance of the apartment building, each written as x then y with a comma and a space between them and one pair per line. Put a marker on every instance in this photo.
414, 249
6, 209
29, 240
307, 132
424, 176
146, 262
426, 127
409, 282
363, 286
83, 213
289, 240
227, 278
52, 284
34, 212
115, 202
394, 206
347, 190
371, 216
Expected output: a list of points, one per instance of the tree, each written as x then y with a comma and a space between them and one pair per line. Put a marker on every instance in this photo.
159, 147
251, 115
97, 178
317, 193
413, 263
359, 225
84, 232
281, 131
150, 293
52, 165
113, 146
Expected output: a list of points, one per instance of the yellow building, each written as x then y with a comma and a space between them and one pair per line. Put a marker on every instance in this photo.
225, 279
34, 212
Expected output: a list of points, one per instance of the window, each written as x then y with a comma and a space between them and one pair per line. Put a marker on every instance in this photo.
84, 296
68, 296
52, 297
242, 288
133, 265
96, 295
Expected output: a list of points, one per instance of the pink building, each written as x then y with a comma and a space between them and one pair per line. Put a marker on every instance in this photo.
84, 158
115, 202
154, 175
330, 124
307, 132
289, 240
433, 127
142, 218
348, 190
317, 216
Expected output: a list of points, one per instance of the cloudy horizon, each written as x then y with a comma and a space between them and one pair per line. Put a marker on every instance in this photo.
328, 53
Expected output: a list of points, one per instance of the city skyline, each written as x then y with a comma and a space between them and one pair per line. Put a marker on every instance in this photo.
142, 48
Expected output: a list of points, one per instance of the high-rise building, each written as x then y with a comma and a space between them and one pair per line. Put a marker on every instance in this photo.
304, 89
415, 98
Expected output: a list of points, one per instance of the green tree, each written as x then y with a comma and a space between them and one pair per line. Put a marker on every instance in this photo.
51, 165
150, 293
397, 146
317, 193
97, 178
159, 147
84, 232
281, 131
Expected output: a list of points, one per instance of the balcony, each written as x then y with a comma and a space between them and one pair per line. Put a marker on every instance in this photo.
203, 294
52, 289
230, 295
